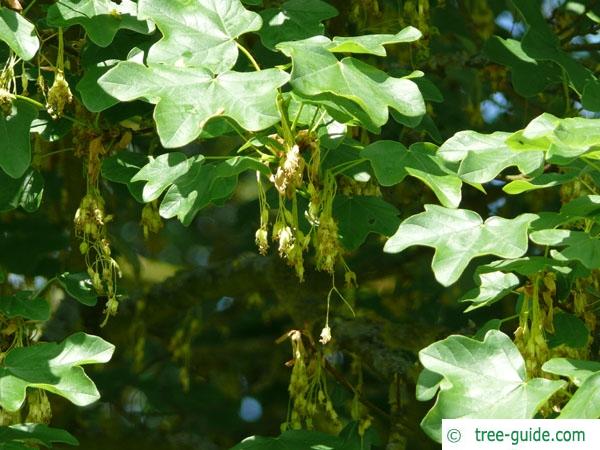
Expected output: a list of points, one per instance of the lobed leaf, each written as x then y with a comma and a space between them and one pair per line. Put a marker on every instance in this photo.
187, 98
392, 162
101, 19
578, 245
576, 370
53, 367
18, 33
585, 403
199, 34
483, 156
458, 236
483, 380
316, 71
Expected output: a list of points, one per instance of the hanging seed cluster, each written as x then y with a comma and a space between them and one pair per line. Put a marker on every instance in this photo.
180, 347
59, 95
91, 225
299, 172
308, 388
8, 87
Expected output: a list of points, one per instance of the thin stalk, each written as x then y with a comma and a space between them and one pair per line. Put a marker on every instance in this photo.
40, 106
245, 51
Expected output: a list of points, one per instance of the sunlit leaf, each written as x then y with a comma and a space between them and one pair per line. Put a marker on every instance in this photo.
53, 367
484, 380
458, 236
576, 370
26, 434
483, 156
585, 403
317, 71
199, 34
101, 19
186, 98
18, 33
578, 245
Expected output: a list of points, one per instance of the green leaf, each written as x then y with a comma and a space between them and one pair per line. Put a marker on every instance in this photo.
373, 44
161, 172
101, 19
341, 109
428, 385
526, 266
492, 286
36, 433
392, 162
585, 403
528, 76
23, 305
199, 34
317, 71
578, 245
203, 184
294, 20
15, 146
302, 440
540, 43
18, 33
26, 191
49, 129
53, 367
96, 61
570, 330
492, 324
536, 135
359, 216
483, 380
79, 286
584, 206
544, 181
458, 236
576, 370
186, 98
122, 167
93, 96
483, 156
562, 139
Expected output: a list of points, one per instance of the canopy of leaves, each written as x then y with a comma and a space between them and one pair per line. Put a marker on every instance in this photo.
280, 114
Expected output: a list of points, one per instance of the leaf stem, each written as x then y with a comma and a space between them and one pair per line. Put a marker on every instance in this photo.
28, 7
44, 287
56, 152
30, 100
336, 170
245, 51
